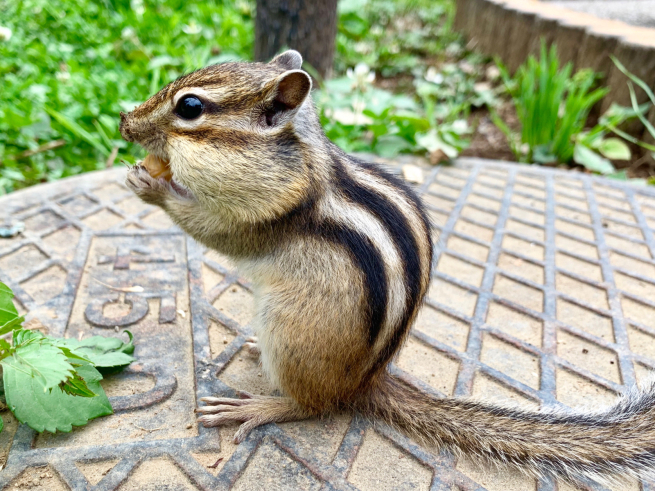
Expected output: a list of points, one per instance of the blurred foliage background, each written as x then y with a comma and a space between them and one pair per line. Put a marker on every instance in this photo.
68, 68
403, 82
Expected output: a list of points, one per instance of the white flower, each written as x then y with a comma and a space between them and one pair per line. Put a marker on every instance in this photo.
192, 28
466, 67
5, 33
63, 76
433, 76
482, 87
524, 148
361, 75
128, 33
138, 7
492, 72
362, 47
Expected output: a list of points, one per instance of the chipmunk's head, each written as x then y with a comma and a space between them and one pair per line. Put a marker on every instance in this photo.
235, 135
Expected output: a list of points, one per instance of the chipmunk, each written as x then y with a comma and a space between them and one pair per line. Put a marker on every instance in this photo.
339, 253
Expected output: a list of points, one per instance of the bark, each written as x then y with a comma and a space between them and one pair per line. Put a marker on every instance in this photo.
308, 26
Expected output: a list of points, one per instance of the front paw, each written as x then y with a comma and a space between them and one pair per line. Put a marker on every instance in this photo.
149, 189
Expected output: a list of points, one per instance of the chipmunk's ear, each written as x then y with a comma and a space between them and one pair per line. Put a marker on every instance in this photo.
290, 59
289, 91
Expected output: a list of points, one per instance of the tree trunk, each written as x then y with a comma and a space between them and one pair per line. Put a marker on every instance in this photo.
308, 26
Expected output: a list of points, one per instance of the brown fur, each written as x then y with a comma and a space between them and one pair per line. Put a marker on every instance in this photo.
340, 256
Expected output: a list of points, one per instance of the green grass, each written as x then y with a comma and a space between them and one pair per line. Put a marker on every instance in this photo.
69, 68
552, 105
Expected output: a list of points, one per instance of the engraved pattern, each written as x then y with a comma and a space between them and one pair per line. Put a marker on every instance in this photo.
542, 295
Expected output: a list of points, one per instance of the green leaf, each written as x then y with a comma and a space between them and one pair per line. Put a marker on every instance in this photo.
76, 386
23, 336
620, 175
591, 160
634, 78
635, 106
72, 355
9, 318
54, 410
163, 60
101, 351
542, 155
12, 325
391, 145
39, 360
431, 141
614, 149
78, 131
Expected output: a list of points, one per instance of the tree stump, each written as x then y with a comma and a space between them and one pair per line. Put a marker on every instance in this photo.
304, 25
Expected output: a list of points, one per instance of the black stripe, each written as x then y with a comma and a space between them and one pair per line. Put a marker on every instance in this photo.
401, 233
367, 258
407, 191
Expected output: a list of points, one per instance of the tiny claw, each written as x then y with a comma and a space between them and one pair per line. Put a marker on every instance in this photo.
244, 395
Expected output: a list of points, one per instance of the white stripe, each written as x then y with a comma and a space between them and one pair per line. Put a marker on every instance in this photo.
383, 188
358, 218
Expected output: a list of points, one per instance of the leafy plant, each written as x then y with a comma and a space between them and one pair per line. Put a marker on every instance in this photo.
361, 117
637, 110
393, 36
54, 383
552, 106
68, 68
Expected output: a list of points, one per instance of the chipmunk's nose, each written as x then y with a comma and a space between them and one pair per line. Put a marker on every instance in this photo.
124, 127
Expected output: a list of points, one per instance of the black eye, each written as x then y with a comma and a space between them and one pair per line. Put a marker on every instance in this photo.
189, 107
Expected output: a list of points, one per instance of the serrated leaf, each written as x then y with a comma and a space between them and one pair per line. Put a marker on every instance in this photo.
76, 386
39, 360
72, 355
591, 160
9, 318
23, 336
614, 149
101, 351
54, 410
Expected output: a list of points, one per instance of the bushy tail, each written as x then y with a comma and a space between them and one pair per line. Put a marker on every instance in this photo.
618, 442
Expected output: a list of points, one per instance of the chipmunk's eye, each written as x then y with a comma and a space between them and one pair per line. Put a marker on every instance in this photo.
189, 107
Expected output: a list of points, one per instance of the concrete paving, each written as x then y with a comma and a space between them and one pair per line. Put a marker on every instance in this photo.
543, 294
635, 12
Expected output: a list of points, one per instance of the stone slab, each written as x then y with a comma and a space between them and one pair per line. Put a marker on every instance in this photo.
635, 12
543, 294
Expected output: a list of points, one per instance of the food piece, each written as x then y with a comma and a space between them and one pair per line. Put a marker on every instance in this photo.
157, 167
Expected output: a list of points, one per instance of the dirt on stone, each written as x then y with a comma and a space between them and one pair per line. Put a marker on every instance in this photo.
37, 479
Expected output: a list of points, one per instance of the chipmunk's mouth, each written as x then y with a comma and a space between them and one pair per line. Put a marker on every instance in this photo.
160, 168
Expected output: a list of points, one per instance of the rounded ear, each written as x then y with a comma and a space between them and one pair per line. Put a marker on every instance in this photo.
290, 59
293, 87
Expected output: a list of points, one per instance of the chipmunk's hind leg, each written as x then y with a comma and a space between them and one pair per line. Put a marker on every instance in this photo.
252, 345
252, 411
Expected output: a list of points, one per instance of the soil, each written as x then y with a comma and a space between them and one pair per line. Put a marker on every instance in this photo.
488, 142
